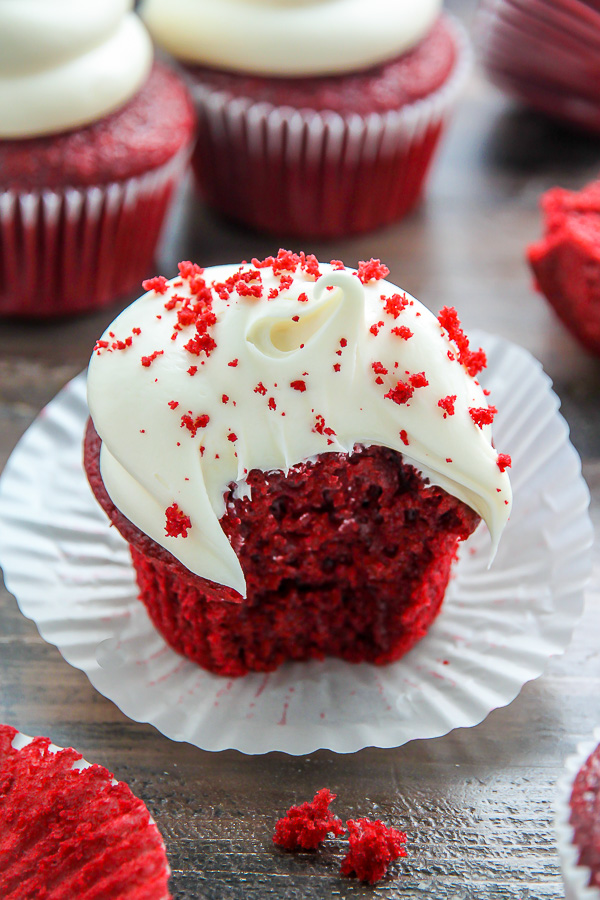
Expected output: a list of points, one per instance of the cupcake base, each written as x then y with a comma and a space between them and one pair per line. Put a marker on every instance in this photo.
346, 556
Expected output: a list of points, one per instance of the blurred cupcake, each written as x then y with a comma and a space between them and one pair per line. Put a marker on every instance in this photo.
93, 138
546, 53
68, 829
578, 822
566, 261
315, 118
293, 451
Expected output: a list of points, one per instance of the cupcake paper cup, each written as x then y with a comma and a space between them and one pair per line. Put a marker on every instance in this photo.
314, 173
69, 250
576, 877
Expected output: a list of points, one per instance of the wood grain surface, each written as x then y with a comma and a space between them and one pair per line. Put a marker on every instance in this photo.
477, 805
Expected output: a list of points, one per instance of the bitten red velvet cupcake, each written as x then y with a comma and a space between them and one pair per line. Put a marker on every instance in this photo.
94, 136
293, 451
69, 830
315, 118
578, 822
545, 53
566, 261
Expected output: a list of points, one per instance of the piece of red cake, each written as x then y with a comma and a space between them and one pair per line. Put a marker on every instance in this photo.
373, 846
566, 262
94, 137
259, 437
577, 821
68, 829
306, 826
328, 134
585, 815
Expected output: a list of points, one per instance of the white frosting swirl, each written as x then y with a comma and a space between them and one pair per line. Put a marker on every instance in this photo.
289, 378
289, 37
68, 63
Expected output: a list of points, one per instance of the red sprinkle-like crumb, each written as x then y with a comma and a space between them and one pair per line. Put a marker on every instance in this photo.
271, 403
447, 404
402, 331
173, 404
232, 437
233, 363
482, 415
192, 425
373, 846
473, 360
371, 270
379, 368
394, 304
404, 437
189, 269
192, 370
337, 264
158, 284
177, 523
148, 360
200, 343
320, 426
504, 461
418, 380
306, 826
298, 385
374, 329
260, 389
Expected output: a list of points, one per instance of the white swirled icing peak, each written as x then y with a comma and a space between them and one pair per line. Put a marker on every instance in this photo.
219, 372
289, 37
66, 63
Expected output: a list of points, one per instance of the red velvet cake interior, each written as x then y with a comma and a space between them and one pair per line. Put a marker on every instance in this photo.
585, 815
67, 833
346, 556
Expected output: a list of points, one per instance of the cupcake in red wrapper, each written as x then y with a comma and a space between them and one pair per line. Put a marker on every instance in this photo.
566, 261
293, 451
315, 119
68, 829
546, 53
578, 822
94, 137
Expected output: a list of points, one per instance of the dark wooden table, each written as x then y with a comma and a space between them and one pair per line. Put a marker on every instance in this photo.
478, 803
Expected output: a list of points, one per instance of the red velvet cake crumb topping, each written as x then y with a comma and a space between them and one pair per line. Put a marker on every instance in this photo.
157, 284
395, 304
306, 826
482, 415
473, 360
177, 523
585, 815
371, 270
447, 404
504, 461
373, 846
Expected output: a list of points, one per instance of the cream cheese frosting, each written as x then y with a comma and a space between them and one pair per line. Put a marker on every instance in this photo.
67, 63
288, 37
264, 365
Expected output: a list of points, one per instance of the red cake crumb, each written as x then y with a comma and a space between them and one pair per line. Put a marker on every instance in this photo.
401, 393
157, 284
373, 846
70, 833
148, 360
447, 404
503, 462
395, 304
372, 270
298, 385
585, 815
403, 332
306, 826
177, 523
482, 415
474, 361
566, 262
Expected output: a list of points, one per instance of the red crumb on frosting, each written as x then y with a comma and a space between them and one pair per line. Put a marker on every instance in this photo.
189, 269
402, 331
298, 385
504, 461
200, 343
192, 370
379, 368
404, 437
233, 363
374, 329
232, 437
271, 403
473, 360
337, 264
192, 425
401, 393
173, 404
447, 404
148, 360
371, 270
418, 380
177, 523
260, 389
306, 826
394, 304
158, 284
373, 846
320, 426
482, 415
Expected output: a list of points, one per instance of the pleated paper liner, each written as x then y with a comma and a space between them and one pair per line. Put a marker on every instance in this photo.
71, 574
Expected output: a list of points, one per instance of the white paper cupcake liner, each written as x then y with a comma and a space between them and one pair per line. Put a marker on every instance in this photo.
576, 878
75, 249
305, 172
71, 574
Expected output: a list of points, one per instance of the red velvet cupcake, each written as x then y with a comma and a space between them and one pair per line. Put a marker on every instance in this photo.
312, 121
293, 452
68, 829
93, 139
545, 53
566, 262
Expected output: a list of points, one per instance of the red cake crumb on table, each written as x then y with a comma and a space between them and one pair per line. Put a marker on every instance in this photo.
373, 846
566, 261
67, 833
306, 826
585, 815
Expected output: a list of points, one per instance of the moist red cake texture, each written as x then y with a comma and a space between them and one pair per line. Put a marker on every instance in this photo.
139, 136
347, 556
585, 815
566, 262
306, 826
68, 833
373, 846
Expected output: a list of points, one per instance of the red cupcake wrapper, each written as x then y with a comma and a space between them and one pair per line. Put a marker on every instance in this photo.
77, 249
319, 174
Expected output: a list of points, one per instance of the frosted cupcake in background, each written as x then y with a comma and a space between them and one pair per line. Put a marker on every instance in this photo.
578, 822
293, 451
69, 830
94, 136
546, 53
315, 118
